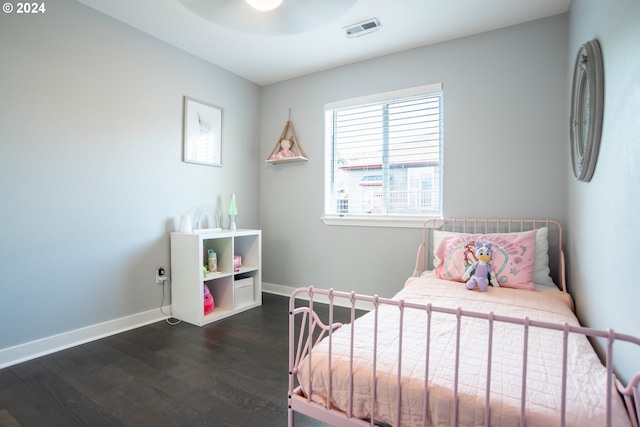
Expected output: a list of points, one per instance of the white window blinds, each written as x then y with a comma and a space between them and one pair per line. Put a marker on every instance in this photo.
384, 155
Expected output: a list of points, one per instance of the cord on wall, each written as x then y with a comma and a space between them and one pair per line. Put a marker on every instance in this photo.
172, 315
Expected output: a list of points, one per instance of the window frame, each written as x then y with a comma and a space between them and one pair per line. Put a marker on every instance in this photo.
378, 220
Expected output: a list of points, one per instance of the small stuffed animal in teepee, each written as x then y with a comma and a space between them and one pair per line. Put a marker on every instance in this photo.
285, 150
481, 273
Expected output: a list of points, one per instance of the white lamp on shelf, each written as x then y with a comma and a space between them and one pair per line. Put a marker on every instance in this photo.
233, 212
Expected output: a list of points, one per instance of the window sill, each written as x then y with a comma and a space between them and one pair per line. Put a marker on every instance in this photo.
366, 221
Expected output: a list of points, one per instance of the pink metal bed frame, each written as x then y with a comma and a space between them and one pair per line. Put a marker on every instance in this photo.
312, 330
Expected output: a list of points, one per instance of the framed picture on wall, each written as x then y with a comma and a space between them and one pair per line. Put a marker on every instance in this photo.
202, 133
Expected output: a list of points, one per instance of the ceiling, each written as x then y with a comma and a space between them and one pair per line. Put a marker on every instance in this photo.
306, 36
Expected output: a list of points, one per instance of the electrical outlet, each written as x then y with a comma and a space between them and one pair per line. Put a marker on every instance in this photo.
161, 275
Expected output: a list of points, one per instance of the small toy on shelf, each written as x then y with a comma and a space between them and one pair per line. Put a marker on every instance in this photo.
285, 150
208, 300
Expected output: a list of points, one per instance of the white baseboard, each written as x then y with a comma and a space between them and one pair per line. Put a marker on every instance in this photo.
271, 288
286, 291
31, 350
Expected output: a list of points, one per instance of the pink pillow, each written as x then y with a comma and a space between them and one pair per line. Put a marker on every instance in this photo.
512, 258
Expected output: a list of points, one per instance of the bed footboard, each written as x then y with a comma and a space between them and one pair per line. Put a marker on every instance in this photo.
307, 328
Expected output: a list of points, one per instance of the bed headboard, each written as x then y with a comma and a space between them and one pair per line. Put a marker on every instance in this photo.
424, 259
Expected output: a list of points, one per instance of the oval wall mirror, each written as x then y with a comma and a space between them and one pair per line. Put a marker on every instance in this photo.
587, 104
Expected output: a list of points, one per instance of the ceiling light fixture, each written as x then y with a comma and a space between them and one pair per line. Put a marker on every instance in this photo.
264, 5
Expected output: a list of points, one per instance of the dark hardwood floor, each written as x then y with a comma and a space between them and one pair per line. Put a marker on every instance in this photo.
229, 373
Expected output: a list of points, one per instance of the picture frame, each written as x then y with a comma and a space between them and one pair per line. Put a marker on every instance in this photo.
202, 133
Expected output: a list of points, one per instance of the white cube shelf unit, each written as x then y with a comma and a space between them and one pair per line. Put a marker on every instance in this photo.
189, 255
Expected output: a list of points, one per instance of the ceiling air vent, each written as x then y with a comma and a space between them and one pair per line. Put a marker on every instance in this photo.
362, 28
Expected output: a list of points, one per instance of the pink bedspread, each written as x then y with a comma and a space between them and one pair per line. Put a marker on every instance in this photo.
586, 383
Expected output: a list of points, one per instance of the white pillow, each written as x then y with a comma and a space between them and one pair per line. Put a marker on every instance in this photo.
541, 269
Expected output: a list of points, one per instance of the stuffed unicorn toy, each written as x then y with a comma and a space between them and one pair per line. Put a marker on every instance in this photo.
481, 273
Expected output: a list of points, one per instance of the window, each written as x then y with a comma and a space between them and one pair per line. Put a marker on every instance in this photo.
383, 156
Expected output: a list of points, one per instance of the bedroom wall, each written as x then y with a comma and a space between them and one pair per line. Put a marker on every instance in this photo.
602, 214
504, 118
91, 176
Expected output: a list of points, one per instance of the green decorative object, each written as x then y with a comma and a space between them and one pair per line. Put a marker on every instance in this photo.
233, 212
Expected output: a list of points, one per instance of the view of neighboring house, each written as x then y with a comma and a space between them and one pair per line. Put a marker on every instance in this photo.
387, 156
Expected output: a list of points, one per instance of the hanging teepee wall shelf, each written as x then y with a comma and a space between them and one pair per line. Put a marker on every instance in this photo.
287, 148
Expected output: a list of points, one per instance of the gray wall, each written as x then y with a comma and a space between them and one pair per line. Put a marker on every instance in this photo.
91, 177
504, 118
604, 229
